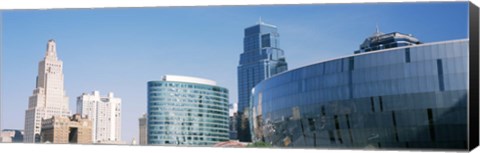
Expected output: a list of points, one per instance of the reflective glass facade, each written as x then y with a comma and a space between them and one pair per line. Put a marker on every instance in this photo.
405, 97
262, 58
181, 113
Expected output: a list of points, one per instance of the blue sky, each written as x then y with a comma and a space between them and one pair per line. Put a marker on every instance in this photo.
120, 49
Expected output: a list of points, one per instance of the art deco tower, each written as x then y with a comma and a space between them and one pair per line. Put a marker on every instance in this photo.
49, 97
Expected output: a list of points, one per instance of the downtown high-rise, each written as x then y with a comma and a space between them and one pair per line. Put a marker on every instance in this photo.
49, 98
105, 113
261, 59
186, 111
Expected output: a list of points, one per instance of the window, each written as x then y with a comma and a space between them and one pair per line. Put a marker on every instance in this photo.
407, 55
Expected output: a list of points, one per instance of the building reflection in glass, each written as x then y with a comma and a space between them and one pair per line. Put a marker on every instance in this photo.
404, 97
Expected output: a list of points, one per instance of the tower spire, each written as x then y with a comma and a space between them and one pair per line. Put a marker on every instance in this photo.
377, 30
51, 48
260, 20
52, 101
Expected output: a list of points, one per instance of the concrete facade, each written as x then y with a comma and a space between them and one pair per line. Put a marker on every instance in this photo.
143, 130
49, 97
11, 136
61, 130
105, 113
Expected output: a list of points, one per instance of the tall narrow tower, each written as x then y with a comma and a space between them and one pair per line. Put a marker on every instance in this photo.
261, 59
49, 97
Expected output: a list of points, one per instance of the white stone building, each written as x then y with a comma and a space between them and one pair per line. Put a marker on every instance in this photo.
49, 97
105, 112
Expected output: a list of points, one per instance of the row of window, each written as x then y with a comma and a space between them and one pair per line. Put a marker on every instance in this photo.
168, 123
153, 84
187, 121
183, 104
174, 95
185, 114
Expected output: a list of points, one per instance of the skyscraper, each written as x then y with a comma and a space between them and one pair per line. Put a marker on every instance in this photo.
49, 97
105, 113
261, 59
186, 111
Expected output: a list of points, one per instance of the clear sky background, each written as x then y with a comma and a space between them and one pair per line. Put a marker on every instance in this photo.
120, 50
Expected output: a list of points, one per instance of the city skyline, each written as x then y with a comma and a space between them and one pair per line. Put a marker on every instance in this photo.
88, 54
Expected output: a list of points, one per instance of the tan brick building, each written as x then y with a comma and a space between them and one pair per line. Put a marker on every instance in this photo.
75, 129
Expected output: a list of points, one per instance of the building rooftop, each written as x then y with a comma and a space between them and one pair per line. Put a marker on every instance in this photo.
378, 51
379, 41
188, 79
260, 22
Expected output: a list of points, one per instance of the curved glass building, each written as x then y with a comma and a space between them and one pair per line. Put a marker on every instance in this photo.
187, 111
405, 97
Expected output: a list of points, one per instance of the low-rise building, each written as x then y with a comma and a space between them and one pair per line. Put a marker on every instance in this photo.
75, 129
11, 136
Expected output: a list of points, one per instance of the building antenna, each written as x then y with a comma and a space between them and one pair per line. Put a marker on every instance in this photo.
377, 30
260, 20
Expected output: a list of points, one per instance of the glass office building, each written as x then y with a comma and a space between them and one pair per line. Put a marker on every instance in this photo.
405, 97
262, 58
186, 111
